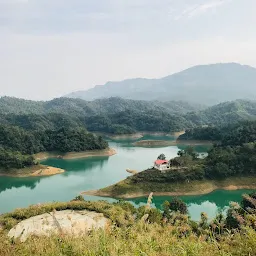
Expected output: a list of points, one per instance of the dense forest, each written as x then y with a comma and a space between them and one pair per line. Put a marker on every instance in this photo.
229, 135
235, 152
120, 116
17, 145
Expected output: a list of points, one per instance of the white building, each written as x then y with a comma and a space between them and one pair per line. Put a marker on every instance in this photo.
161, 165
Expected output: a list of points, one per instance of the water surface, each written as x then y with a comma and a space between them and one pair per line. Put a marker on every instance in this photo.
98, 172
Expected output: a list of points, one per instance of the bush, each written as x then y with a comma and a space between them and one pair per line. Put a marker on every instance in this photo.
177, 205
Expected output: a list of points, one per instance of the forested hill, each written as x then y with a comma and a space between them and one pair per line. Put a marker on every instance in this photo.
205, 84
224, 113
120, 116
113, 105
230, 135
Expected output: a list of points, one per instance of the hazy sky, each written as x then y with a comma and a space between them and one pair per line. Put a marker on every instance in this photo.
51, 47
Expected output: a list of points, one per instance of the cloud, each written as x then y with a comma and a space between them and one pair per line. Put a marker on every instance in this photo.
65, 16
200, 9
51, 47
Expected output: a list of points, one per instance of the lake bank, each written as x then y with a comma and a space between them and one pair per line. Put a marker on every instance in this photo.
75, 155
166, 143
140, 135
34, 171
125, 190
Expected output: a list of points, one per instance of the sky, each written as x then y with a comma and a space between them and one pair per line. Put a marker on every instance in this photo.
49, 48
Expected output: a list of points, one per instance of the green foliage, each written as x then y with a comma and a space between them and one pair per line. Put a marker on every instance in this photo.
209, 133
62, 140
231, 161
177, 205
17, 145
227, 135
114, 212
161, 157
121, 116
181, 174
79, 198
189, 151
129, 235
12, 159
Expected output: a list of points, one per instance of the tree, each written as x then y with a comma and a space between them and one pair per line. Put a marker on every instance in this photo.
177, 205
162, 157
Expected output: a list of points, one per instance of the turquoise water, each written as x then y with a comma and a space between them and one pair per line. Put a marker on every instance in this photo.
98, 172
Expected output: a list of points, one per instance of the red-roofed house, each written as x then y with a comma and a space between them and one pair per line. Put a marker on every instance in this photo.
161, 165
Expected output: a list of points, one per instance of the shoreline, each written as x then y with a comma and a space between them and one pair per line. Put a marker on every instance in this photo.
139, 135
75, 155
150, 143
34, 171
201, 188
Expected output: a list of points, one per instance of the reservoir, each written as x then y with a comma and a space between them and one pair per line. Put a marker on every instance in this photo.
98, 172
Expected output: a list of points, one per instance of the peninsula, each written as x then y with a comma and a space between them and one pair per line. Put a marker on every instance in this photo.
227, 166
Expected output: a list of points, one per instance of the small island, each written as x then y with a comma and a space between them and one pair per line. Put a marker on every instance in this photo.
230, 165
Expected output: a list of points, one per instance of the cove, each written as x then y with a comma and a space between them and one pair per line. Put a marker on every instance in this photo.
98, 172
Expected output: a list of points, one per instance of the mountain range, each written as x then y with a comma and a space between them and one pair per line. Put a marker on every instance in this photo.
204, 84
120, 116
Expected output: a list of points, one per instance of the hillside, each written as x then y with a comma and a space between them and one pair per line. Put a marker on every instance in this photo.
126, 230
9, 105
205, 84
120, 116
224, 113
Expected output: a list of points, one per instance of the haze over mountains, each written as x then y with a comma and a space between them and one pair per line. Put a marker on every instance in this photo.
204, 84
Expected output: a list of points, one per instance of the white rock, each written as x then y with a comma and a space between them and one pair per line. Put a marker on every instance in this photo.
62, 222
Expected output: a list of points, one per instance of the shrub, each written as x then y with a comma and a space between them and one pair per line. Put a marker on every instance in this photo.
177, 205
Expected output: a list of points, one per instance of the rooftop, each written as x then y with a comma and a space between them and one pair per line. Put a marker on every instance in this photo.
159, 162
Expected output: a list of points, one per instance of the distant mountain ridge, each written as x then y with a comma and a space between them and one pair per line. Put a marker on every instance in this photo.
10, 105
121, 116
204, 84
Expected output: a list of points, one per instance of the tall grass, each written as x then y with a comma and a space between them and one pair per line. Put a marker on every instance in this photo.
131, 234
139, 239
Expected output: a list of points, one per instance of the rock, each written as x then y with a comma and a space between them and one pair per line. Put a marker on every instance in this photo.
61, 222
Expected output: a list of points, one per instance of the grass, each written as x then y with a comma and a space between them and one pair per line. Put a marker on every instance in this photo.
139, 239
128, 235
128, 189
121, 213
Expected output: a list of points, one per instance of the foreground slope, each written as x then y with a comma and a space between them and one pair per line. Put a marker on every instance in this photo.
205, 84
133, 231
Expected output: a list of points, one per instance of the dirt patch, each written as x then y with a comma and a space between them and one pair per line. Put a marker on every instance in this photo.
48, 171
34, 171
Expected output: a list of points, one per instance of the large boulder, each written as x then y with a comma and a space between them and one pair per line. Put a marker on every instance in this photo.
61, 222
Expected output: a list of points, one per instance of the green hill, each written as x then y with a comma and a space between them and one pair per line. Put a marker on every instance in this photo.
121, 116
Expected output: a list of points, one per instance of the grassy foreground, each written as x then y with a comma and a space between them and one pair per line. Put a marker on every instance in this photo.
140, 239
130, 234
127, 189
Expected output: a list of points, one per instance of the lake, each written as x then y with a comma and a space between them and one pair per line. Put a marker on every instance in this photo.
99, 172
